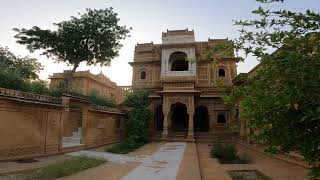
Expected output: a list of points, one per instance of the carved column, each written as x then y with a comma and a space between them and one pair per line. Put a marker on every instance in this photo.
165, 125
211, 121
85, 127
190, 128
242, 133
247, 132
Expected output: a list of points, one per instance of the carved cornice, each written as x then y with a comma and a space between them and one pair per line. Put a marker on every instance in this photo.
105, 109
178, 78
29, 96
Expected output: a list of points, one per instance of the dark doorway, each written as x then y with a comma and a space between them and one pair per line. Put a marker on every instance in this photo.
201, 119
158, 117
179, 117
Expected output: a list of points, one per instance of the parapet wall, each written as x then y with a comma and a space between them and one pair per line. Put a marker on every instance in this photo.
31, 125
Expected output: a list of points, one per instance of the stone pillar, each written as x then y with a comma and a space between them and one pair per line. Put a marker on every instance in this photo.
247, 133
242, 133
165, 125
84, 129
211, 121
64, 119
190, 128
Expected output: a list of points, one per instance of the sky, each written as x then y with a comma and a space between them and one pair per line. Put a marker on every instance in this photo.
148, 18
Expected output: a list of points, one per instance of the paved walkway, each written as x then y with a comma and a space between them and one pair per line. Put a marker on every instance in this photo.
163, 164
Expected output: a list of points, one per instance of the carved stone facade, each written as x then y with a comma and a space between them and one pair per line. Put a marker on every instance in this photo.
183, 86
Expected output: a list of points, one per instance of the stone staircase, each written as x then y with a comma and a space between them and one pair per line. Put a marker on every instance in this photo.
216, 137
74, 140
205, 137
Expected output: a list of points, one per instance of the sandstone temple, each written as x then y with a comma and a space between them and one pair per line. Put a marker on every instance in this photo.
185, 90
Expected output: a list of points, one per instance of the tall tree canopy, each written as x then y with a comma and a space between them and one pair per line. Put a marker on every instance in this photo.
282, 100
93, 37
26, 67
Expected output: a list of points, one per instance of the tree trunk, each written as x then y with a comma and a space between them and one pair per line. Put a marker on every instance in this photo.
69, 77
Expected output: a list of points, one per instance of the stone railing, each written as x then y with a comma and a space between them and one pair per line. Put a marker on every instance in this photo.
29, 96
126, 88
76, 95
104, 108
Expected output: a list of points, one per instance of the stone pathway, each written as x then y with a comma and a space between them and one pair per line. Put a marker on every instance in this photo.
163, 164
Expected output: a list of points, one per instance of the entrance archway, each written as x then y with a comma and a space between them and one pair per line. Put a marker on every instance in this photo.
179, 117
158, 117
201, 119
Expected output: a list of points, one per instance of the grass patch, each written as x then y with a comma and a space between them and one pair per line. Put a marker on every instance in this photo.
54, 171
228, 154
124, 147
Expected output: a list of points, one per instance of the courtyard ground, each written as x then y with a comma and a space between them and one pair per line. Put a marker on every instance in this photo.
176, 160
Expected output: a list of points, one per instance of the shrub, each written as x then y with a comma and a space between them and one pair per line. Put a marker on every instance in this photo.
102, 101
244, 158
228, 154
39, 87
124, 147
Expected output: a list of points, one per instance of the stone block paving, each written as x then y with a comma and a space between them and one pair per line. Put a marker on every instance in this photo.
163, 164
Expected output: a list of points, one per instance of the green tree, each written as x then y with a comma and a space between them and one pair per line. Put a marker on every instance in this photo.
282, 100
26, 67
93, 37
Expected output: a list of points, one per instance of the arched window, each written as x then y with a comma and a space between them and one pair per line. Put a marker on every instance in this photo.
222, 73
178, 61
143, 75
221, 118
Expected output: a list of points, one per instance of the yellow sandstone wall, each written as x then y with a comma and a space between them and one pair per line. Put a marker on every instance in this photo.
104, 128
30, 129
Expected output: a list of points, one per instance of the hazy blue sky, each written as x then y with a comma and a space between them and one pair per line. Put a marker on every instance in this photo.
148, 18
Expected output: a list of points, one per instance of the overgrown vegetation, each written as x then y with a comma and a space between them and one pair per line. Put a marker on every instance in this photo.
281, 102
139, 117
228, 154
100, 100
54, 171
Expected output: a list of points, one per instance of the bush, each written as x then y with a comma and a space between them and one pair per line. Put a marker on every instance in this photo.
39, 87
228, 154
102, 101
124, 147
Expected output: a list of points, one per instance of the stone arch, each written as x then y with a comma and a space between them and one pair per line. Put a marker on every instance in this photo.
179, 117
222, 72
201, 119
143, 75
178, 61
